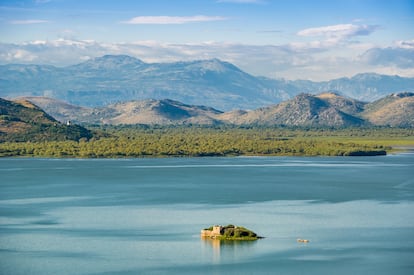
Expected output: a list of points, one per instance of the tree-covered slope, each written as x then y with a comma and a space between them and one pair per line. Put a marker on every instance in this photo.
24, 121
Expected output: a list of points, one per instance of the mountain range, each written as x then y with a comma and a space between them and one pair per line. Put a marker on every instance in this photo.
119, 78
322, 110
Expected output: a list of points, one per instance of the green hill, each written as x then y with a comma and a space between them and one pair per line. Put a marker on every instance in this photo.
22, 121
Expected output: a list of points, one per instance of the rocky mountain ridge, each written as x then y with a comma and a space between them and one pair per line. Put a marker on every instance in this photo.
395, 110
327, 109
120, 78
323, 110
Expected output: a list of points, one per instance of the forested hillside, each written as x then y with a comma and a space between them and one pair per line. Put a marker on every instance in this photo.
23, 121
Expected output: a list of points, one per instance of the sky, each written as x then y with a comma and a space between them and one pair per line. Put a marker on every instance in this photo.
292, 39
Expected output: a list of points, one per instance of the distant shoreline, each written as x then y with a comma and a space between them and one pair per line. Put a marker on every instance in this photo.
358, 154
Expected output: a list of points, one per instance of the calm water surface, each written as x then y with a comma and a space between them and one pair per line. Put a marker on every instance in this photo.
143, 216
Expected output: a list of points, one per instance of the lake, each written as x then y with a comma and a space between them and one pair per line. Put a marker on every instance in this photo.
144, 216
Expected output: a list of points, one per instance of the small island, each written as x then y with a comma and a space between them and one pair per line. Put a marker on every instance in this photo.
229, 233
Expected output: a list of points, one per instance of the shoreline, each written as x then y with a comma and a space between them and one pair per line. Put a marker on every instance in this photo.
399, 150
369, 154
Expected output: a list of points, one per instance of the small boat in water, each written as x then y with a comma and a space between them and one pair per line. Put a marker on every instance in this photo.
302, 241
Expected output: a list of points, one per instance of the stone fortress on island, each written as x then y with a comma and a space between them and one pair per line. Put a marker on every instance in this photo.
229, 232
214, 233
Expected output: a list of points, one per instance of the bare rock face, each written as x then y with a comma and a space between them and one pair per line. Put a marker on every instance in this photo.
303, 110
162, 112
323, 110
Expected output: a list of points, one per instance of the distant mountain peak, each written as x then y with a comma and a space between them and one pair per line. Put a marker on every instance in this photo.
373, 77
213, 82
214, 65
117, 58
366, 76
305, 97
329, 94
111, 61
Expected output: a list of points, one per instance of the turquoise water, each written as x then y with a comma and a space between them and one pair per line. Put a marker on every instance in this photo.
143, 216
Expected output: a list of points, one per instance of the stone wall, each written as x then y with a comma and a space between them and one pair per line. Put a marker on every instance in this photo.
212, 233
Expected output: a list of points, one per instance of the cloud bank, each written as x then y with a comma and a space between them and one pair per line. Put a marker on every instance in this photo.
335, 52
277, 61
402, 58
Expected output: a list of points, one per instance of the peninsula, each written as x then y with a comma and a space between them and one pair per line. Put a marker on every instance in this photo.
229, 233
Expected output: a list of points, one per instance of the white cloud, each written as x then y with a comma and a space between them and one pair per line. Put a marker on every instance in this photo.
28, 22
24, 55
405, 44
160, 20
339, 32
312, 46
390, 57
18, 55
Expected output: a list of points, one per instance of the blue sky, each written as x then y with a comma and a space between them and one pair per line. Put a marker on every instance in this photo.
316, 40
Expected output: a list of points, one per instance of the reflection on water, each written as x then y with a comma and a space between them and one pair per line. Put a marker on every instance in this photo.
225, 251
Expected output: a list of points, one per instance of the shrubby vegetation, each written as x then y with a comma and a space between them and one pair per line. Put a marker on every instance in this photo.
46, 132
231, 232
145, 141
